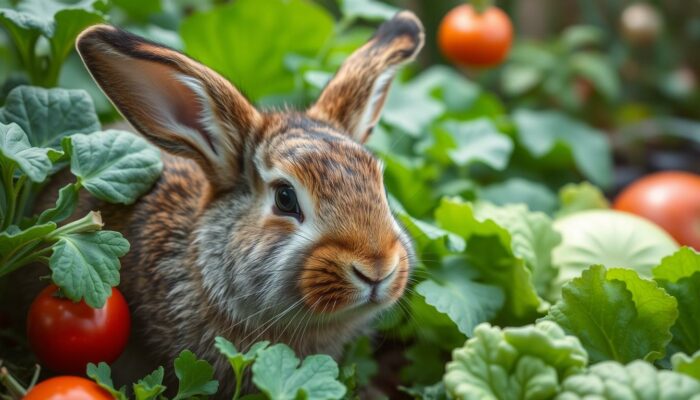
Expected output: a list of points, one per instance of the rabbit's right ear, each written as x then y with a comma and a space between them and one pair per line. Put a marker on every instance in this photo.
180, 105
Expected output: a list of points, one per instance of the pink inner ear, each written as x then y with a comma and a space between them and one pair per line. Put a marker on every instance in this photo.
167, 98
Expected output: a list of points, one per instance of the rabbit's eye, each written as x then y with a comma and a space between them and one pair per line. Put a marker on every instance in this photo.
286, 202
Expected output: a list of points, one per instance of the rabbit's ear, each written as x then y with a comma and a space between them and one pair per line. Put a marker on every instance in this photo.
180, 105
354, 98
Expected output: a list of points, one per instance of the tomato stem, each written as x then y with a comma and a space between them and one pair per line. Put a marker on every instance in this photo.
15, 388
481, 5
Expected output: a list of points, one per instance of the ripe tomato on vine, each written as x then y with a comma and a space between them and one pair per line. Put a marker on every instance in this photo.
476, 34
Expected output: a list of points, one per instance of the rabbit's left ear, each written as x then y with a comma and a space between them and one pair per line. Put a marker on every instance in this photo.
354, 98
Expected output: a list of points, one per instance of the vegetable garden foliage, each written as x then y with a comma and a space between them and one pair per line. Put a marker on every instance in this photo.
477, 186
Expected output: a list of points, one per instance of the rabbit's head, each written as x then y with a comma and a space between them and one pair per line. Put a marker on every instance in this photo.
296, 216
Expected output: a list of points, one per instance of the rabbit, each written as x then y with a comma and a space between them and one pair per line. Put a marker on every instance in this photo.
264, 225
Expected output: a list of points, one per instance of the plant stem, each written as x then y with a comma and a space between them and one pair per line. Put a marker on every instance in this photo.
481, 5
11, 384
24, 259
239, 383
90, 223
11, 192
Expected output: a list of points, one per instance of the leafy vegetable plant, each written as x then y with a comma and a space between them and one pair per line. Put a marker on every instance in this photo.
276, 372
42, 131
56, 21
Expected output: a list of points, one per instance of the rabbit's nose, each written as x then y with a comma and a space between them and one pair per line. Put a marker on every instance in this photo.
371, 280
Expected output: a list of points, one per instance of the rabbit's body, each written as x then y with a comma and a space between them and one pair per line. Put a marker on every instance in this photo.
265, 226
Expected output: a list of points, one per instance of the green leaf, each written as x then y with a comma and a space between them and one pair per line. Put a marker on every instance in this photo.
537, 196
48, 115
65, 205
151, 386
139, 10
681, 264
39, 14
432, 392
411, 108
102, 374
456, 291
599, 71
277, 373
542, 133
370, 10
581, 35
13, 241
195, 376
575, 197
689, 365
679, 275
358, 353
473, 141
16, 150
115, 166
248, 57
239, 361
489, 250
616, 314
532, 238
638, 380
518, 363
86, 265
518, 79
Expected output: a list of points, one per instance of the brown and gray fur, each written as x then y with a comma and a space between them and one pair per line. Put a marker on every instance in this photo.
209, 255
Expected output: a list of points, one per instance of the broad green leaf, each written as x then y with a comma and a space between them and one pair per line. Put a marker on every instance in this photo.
457, 292
514, 363
370, 10
577, 36
473, 141
409, 181
150, 386
248, 56
638, 380
532, 238
139, 9
686, 331
610, 238
429, 238
65, 205
115, 166
489, 250
86, 265
277, 373
689, 365
541, 133
537, 196
195, 376
13, 241
411, 108
48, 115
102, 375
15, 150
38, 15
68, 24
616, 314
681, 264
518, 78
575, 197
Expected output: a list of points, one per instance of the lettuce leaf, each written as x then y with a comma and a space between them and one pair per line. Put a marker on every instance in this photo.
637, 380
528, 362
616, 314
679, 275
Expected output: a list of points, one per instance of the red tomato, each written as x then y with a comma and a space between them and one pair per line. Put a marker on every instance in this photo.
470, 38
671, 200
65, 336
67, 388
